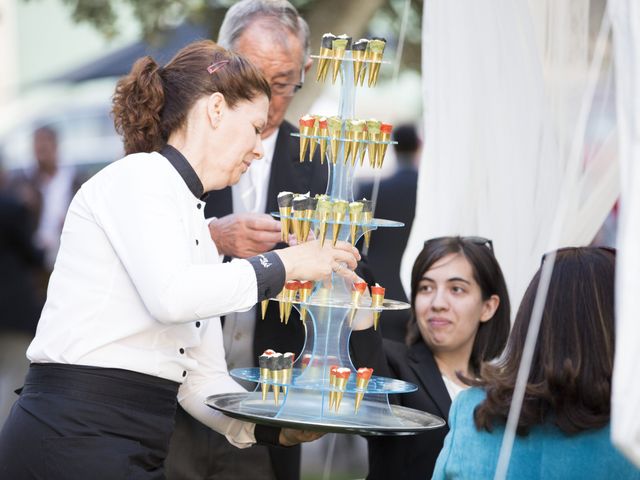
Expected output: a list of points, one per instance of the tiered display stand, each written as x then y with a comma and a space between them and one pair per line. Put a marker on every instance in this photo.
305, 400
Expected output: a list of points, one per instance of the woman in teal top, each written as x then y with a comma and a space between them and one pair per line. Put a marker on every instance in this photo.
563, 429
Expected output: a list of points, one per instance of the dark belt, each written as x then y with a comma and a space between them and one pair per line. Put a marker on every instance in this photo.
137, 390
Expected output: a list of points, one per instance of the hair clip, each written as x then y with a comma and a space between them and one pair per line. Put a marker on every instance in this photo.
214, 67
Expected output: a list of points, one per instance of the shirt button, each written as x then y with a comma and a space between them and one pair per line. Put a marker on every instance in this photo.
199, 206
182, 351
184, 373
197, 242
197, 324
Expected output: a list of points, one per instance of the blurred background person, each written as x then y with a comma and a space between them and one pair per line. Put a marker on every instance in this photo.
272, 35
563, 429
20, 304
459, 319
396, 200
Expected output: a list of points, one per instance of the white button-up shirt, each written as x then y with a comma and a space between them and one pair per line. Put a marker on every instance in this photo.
138, 285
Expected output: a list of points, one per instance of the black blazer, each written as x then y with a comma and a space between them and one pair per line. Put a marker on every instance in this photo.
405, 457
396, 201
287, 174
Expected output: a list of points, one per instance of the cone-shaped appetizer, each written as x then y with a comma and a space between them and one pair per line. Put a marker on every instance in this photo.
363, 375
306, 129
326, 51
323, 132
275, 371
373, 135
367, 216
285, 199
263, 363
348, 134
324, 211
340, 208
375, 50
305, 292
315, 131
359, 51
263, 307
299, 207
335, 131
355, 215
342, 377
306, 359
332, 384
357, 291
385, 136
341, 44
290, 291
364, 144
281, 305
309, 215
287, 369
377, 298
358, 136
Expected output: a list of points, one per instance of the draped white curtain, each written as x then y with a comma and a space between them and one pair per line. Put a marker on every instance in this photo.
518, 146
625, 420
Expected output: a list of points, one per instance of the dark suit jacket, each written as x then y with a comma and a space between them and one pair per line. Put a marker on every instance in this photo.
396, 201
405, 457
287, 174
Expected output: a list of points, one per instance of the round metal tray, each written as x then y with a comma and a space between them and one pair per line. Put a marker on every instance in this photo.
401, 420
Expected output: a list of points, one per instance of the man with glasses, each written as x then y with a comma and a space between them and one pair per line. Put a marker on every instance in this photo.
272, 35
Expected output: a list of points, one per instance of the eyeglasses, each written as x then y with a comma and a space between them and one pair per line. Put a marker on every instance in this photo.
485, 242
610, 250
280, 89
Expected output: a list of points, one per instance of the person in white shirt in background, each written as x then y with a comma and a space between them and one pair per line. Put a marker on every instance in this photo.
130, 325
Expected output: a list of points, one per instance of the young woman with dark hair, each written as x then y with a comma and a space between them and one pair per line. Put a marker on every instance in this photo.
563, 428
459, 319
131, 322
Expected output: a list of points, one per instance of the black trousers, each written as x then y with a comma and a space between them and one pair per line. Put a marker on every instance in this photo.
78, 423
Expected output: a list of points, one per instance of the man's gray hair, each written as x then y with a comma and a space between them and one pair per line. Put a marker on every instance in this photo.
279, 13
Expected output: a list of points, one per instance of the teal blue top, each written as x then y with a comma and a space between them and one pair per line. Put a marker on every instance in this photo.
546, 453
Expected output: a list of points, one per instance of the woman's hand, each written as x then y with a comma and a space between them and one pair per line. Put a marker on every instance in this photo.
290, 437
310, 261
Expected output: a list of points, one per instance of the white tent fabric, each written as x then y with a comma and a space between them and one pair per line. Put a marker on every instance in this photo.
625, 421
510, 113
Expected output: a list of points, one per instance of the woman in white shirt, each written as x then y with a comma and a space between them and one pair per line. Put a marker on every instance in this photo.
130, 322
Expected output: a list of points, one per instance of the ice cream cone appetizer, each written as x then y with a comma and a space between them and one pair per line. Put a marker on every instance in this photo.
375, 51
359, 52
377, 299
309, 214
332, 384
299, 208
275, 364
306, 129
358, 136
263, 307
341, 44
287, 370
335, 131
315, 131
285, 199
363, 375
339, 213
385, 136
355, 215
306, 359
367, 216
290, 292
323, 132
263, 363
348, 125
305, 291
326, 54
357, 291
373, 135
342, 377
323, 212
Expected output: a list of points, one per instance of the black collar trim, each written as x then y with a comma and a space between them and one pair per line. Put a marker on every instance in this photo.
184, 168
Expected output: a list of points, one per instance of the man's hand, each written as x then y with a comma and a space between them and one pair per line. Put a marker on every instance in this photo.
290, 437
243, 235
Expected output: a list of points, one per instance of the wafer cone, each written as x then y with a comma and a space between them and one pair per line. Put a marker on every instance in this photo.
348, 134
306, 128
323, 133
290, 289
367, 217
359, 52
263, 363
324, 211
281, 305
332, 384
287, 370
375, 51
385, 136
285, 199
309, 215
342, 377
315, 131
357, 291
335, 132
326, 54
341, 44
274, 363
358, 136
363, 375
263, 307
373, 135
355, 214
377, 299
305, 292
299, 208
339, 213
